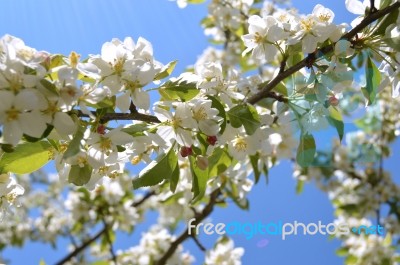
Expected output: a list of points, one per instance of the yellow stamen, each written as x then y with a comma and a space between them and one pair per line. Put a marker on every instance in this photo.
74, 59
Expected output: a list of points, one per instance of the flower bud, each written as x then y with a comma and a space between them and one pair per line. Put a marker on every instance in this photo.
186, 151
212, 140
333, 101
101, 129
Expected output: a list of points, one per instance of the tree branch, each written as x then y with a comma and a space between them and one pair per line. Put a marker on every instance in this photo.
109, 241
133, 116
82, 247
199, 217
321, 52
98, 235
196, 240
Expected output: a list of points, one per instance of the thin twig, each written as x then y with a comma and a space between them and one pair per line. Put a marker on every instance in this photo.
321, 52
81, 247
110, 243
198, 243
136, 116
283, 65
98, 235
373, 8
204, 213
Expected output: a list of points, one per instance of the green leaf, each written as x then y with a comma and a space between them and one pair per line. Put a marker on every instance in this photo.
8, 148
321, 92
393, 42
100, 262
306, 150
42, 262
216, 104
51, 87
75, 145
350, 260
336, 120
242, 204
166, 70
179, 89
80, 175
26, 157
196, 1
245, 115
386, 22
199, 180
373, 81
218, 162
281, 89
106, 103
254, 163
135, 129
342, 252
174, 178
299, 186
157, 171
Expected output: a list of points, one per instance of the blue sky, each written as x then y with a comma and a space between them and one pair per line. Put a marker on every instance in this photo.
83, 26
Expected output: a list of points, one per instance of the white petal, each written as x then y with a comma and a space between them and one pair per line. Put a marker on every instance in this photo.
184, 137
89, 69
12, 133
108, 52
120, 137
209, 127
32, 124
27, 100
355, 7
64, 123
6, 100
123, 102
309, 44
141, 99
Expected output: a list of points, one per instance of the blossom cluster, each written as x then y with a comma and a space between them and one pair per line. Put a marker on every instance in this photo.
204, 135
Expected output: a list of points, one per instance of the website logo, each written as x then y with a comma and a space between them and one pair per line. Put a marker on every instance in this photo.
249, 230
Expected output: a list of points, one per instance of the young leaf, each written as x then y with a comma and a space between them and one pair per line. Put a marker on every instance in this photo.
216, 104
336, 120
254, 163
373, 81
199, 180
174, 178
75, 145
135, 129
178, 89
80, 175
157, 171
166, 70
299, 186
306, 150
245, 115
218, 162
26, 157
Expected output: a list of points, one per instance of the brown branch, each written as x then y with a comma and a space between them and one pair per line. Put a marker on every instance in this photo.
82, 247
185, 235
283, 65
98, 235
134, 116
373, 8
109, 241
321, 52
198, 243
142, 200
277, 97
